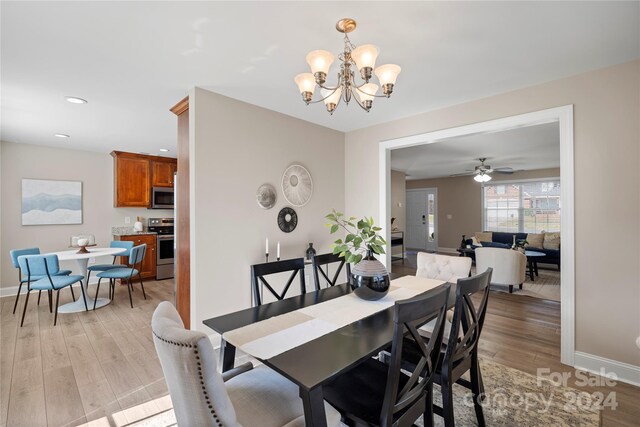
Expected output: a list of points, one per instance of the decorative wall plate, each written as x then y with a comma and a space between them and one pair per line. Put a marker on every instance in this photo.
266, 196
287, 219
297, 185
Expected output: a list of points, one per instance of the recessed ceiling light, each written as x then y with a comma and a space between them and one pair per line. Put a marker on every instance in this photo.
164, 150
61, 135
75, 100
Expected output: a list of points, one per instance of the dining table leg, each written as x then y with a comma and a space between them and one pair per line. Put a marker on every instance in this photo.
78, 305
227, 355
313, 404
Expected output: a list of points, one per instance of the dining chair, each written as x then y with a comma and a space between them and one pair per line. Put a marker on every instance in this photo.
442, 267
122, 244
378, 394
15, 253
460, 352
259, 271
318, 261
46, 267
201, 396
136, 257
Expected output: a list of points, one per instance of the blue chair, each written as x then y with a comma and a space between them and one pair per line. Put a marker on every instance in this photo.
15, 253
104, 267
124, 273
47, 267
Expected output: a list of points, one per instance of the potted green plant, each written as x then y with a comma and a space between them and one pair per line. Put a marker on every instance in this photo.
369, 277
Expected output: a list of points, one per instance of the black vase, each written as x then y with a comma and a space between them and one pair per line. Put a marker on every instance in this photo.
311, 252
369, 278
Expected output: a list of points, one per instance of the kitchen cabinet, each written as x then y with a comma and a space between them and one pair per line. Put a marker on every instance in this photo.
163, 172
148, 270
135, 175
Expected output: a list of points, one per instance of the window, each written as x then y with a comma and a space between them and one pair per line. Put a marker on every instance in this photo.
524, 207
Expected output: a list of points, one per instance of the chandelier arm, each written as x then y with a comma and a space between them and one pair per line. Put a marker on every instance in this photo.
359, 103
320, 100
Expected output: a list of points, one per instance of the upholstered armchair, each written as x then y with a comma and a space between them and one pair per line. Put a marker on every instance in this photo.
202, 396
509, 267
443, 267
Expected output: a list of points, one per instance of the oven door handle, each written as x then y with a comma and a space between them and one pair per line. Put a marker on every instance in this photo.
165, 237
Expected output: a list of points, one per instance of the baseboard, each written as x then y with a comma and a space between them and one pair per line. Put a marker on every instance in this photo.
624, 372
12, 290
447, 250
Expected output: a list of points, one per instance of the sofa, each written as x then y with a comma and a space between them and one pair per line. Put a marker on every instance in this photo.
505, 240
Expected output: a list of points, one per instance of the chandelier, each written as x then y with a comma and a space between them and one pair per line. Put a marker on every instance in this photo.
363, 58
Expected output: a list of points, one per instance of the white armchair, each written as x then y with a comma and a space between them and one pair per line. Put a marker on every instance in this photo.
509, 267
443, 267
201, 396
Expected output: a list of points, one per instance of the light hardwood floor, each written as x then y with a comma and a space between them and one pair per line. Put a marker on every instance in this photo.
101, 367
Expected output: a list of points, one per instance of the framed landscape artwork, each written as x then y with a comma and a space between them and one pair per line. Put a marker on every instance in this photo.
49, 202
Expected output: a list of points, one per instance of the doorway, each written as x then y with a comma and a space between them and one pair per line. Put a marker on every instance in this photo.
422, 219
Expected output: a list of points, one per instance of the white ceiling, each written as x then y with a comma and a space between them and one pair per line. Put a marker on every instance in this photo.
528, 148
134, 60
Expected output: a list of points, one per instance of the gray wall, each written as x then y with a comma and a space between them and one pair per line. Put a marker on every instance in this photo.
95, 170
461, 197
607, 190
236, 147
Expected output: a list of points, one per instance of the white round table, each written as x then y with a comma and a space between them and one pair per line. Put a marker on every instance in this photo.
83, 262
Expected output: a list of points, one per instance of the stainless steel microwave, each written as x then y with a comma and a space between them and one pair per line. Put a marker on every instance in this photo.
162, 198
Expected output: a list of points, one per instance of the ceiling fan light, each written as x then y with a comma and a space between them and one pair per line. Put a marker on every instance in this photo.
365, 56
486, 178
478, 178
320, 61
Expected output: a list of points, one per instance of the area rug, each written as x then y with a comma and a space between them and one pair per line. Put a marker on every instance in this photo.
513, 398
545, 286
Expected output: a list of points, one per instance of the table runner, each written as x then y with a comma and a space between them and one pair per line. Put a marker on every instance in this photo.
278, 334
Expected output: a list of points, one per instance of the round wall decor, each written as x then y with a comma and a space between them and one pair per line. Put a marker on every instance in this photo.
287, 219
266, 196
297, 185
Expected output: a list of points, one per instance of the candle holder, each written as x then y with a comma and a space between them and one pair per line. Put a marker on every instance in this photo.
266, 257
278, 259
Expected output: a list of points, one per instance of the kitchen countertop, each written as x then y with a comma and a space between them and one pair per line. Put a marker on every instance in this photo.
128, 231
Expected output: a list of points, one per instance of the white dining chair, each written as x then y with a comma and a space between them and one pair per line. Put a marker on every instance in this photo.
201, 396
443, 267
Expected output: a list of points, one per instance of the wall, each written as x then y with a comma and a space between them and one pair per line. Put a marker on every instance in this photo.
461, 197
606, 132
236, 147
95, 170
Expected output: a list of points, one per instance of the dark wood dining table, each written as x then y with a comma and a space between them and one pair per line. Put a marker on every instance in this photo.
316, 362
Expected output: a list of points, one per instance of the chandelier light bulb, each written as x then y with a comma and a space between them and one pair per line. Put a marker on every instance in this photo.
368, 92
305, 82
332, 99
365, 56
387, 74
320, 61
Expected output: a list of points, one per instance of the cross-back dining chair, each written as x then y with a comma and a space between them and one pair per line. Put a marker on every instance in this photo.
46, 267
259, 271
22, 279
461, 350
324, 260
120, 244
136, 257
201, 396
376, 394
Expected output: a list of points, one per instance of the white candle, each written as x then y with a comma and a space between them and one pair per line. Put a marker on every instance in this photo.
266, 246
278, 250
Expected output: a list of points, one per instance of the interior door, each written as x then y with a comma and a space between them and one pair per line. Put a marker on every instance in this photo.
421, 219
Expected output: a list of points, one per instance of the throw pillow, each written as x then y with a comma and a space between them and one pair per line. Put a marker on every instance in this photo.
535, 240
551, 241
474, 241
484, 237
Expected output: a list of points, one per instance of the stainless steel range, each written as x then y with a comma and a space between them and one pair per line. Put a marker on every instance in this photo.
165, 246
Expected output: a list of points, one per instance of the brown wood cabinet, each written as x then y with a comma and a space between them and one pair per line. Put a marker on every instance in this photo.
135, 175
162, 172
148, 270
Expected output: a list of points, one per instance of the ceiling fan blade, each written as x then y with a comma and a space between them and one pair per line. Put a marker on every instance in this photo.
464, 173
507, 169
505, 172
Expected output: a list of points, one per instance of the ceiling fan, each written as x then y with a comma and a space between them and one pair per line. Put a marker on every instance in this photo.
482, 171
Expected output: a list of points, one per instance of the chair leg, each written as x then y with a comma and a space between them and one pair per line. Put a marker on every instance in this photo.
142, 286
476, 390
427, 417
520, 286
510, 289
50, 302
129, 286
84, 297
97, 290
73, 295
447, 404
55, 316
18, 297
39, 295
24, 310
